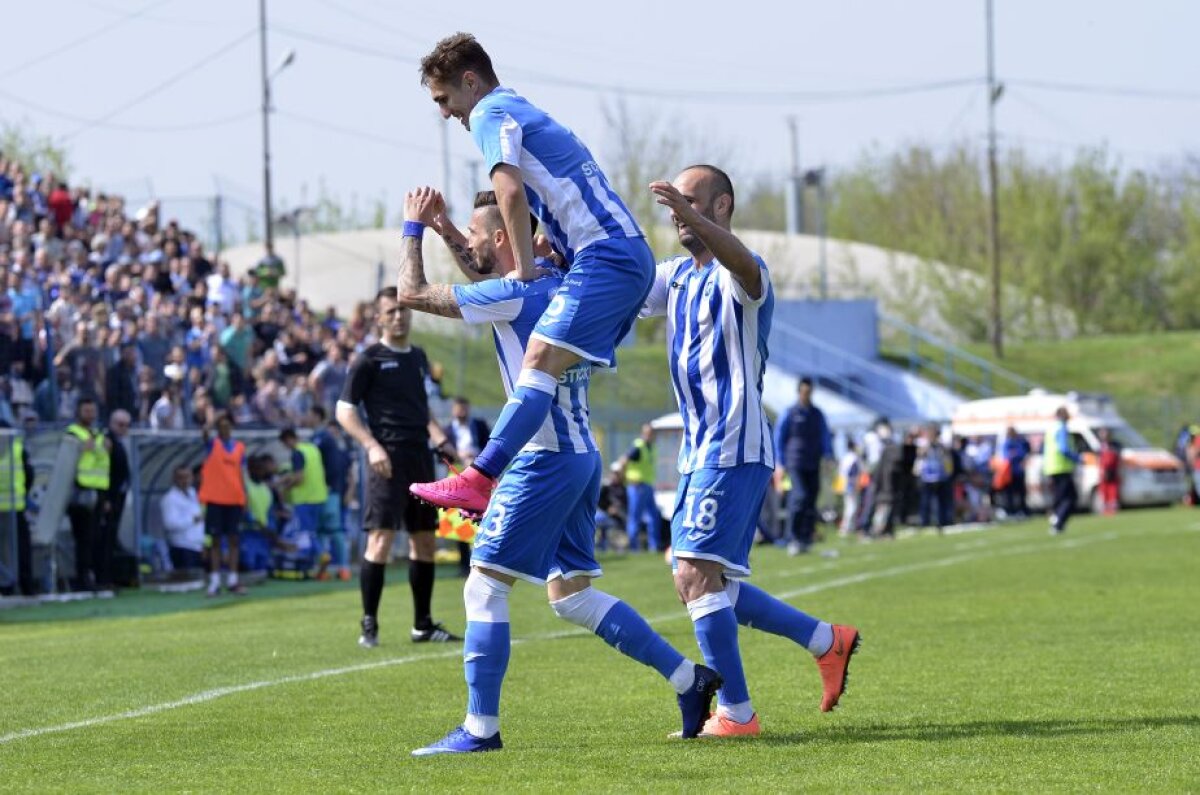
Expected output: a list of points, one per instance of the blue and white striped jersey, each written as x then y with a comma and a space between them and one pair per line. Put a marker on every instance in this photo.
513, 308
563, 184
717, 353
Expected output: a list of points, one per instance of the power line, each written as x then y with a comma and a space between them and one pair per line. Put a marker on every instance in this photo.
1131, 92
730, 97
137, 128
382, 140
375, 23
1044, 113
170, 81
84, 39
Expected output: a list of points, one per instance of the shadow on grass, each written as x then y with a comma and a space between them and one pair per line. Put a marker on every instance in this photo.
944, 732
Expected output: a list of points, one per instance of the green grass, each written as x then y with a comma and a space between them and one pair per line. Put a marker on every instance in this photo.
1003, 660
640, 384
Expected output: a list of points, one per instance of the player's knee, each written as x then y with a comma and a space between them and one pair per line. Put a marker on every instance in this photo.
586, 608
693, 581
486, 598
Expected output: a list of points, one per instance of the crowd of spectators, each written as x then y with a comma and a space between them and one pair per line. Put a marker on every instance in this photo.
130, 309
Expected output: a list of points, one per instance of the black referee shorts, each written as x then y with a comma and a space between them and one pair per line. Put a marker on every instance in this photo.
389, 505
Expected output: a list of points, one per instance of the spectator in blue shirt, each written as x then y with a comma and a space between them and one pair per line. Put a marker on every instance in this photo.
1015, 450
335, 456
802, 441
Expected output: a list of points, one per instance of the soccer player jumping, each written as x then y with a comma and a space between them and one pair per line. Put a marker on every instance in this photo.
538, 165
541, 525
718, 303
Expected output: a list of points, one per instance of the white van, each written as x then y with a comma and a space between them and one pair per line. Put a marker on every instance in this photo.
668, 438
1149, 475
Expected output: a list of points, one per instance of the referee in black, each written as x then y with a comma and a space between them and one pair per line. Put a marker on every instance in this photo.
388, 379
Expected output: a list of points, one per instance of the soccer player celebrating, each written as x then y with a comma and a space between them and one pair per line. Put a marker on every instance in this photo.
718, 304
540, 525
537, 164
388, 379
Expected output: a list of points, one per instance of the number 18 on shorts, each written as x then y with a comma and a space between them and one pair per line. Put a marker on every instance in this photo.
716, 513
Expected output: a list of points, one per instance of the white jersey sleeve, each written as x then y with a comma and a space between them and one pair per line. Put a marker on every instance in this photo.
739, 293
656, 301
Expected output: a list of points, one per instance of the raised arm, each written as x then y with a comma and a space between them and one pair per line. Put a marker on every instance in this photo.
413, 290
514, 208
456, 241
723, 244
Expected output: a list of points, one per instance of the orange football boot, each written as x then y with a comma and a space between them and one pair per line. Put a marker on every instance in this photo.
835, 664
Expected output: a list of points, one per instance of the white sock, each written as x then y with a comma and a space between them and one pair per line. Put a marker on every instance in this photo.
214, 580
684, 677
738, 713
233, 579
482, 726
821, 640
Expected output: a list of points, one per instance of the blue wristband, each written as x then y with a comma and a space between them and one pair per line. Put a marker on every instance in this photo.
413, 229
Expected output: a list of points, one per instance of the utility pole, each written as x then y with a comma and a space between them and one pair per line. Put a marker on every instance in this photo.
994, 92
794, 190
218, 223
445, 138
268, 219
816, 178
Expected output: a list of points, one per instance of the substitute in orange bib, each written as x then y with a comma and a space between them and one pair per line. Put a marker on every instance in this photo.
223, 494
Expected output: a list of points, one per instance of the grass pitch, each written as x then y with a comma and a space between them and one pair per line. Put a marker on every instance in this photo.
998, 660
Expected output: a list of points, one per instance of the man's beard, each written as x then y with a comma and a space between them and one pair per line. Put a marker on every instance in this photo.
485, 262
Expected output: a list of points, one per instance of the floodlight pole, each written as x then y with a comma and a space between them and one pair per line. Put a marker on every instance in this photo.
994, 92
268, 230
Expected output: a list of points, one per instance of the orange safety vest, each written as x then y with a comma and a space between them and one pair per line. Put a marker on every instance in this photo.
221, 476
452, 524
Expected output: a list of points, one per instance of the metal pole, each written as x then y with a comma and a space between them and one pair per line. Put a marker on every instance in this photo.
994, 210
218, 223
793, 195
268, 233
296, 237
822, 196
446, 166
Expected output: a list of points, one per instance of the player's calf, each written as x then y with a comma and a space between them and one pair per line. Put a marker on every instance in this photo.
621, 627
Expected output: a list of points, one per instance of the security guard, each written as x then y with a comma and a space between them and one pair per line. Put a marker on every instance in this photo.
16, 473
91, 482
1058, 461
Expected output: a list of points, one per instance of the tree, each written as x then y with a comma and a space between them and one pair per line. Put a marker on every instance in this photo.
37, 153
1085, 246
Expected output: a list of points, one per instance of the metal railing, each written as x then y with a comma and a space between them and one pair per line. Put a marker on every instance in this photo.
960, 370
823, 356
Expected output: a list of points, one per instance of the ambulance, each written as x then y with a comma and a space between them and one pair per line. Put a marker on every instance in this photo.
1149, 475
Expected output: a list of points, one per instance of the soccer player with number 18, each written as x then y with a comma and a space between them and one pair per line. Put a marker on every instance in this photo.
718, 303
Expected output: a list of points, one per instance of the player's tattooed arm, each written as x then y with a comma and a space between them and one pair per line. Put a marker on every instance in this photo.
415, 292
412, 287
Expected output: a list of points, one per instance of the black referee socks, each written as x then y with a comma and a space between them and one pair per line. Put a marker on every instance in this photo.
370, 580
420, 579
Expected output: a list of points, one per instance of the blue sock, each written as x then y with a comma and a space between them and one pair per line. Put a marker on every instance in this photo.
716, 631
523, 414
485, 659
757, 609
627, 632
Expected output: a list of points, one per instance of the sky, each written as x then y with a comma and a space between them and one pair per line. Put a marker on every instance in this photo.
162, 97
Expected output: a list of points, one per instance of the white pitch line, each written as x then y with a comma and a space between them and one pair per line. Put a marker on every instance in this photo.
205, 696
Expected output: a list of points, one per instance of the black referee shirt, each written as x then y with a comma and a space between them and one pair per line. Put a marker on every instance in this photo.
390, 385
